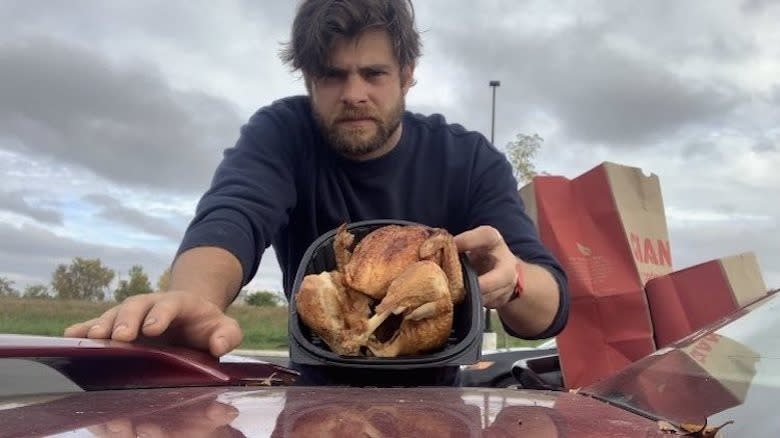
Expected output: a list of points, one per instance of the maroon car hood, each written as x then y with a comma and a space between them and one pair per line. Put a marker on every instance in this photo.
336, 412
137, 390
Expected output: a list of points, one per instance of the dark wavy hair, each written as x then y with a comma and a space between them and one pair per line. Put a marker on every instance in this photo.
318, 22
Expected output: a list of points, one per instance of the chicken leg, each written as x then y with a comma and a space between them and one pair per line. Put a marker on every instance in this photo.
421, 295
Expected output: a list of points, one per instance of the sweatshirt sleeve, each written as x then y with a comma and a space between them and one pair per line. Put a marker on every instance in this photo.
251, 194
495, 200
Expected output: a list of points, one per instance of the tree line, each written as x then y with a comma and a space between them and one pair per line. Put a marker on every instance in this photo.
90, 280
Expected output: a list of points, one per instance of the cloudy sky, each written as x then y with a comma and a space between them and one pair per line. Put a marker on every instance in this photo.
114, 114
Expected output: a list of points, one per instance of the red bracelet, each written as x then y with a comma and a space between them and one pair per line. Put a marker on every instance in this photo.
520, 283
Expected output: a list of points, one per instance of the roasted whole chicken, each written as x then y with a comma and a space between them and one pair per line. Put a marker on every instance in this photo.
392, 294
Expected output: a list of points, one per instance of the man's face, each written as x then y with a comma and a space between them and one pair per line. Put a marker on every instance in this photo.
359, 101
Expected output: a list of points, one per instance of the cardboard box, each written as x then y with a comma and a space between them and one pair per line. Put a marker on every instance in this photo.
687, 300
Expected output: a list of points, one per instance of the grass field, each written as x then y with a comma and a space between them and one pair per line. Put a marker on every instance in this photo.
265, 328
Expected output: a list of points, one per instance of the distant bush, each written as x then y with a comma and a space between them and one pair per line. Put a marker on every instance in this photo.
7, 288
264, 299
37, 291
137, 284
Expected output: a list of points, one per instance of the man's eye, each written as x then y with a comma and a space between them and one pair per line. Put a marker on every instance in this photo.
376, 73
331, 75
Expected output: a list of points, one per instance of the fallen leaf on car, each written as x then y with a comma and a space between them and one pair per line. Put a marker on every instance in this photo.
691, 429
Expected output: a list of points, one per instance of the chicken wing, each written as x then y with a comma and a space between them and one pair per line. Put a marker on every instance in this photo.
441, 248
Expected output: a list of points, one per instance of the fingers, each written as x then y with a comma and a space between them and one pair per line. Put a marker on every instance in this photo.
79, 330
498, 279
226, 337
102, 327
160, 316
182, 318
150, 313
494, 262
120, 322
96, 328
498, 284
202, 326
481, 239
129, 317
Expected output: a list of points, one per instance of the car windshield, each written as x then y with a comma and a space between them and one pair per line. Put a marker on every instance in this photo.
730, 374
22, 377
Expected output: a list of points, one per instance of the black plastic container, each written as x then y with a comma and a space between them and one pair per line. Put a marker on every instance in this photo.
463, 347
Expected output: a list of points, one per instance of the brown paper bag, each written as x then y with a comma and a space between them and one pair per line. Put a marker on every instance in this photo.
687, 300
608, 229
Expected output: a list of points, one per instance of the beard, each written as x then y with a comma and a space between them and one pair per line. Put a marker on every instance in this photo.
356, 141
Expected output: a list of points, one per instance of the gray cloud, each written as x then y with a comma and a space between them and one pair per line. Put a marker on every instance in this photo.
196, 25
715, 210
716, 34
702, 151
124, 123
765, 145
758, 6
596, 92
113, 210
705, 242
33, 252
15, 202
618, 100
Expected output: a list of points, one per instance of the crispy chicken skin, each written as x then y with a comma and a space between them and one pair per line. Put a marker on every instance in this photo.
422, 297
337, 315
386, 252
382, 256
412, 272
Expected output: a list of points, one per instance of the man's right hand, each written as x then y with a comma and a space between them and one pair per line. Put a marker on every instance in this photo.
177, 317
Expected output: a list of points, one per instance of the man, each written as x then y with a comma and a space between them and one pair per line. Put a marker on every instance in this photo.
346, 152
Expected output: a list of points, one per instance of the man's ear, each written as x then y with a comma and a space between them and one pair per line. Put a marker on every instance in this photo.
407, 78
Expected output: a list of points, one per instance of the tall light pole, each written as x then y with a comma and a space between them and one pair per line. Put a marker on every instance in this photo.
493, 84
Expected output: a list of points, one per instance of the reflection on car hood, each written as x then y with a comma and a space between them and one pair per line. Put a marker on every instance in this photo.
336, 412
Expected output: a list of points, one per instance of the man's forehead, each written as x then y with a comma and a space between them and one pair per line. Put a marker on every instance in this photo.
370, 48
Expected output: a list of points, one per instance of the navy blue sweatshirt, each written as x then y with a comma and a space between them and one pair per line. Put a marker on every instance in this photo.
282, 185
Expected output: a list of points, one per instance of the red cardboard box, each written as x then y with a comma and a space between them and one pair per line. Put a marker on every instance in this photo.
687, 300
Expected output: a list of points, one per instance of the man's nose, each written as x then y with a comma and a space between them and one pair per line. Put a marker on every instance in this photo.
355, 90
